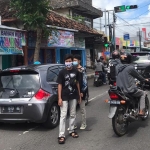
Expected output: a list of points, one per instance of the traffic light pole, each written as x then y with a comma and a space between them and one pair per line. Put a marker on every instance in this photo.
110, 30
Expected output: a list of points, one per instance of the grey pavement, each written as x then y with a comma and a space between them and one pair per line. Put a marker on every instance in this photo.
98, 135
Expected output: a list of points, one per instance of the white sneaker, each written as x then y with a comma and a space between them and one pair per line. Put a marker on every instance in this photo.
75, 127
83, 126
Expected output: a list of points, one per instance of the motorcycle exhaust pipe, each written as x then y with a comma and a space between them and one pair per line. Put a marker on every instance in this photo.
130, 118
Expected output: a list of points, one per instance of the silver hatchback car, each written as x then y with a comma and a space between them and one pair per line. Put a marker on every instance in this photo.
29, 94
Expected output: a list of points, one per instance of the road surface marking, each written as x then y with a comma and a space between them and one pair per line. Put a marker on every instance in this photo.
97, 96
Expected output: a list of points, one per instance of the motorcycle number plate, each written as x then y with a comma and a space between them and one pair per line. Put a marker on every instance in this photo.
114, 102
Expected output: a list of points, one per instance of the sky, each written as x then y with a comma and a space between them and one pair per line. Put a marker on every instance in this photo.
138, 18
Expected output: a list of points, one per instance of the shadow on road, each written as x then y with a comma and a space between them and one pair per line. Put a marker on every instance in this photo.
133, 127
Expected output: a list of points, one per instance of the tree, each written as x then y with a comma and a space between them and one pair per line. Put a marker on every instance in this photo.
33, 14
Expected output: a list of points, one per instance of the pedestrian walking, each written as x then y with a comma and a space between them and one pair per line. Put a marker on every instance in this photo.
68, 94
83, 89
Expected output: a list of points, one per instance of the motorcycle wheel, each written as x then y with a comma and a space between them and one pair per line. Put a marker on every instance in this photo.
120, 127
146, 109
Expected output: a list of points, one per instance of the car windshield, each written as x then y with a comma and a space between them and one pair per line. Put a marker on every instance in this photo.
141, 59
19, 86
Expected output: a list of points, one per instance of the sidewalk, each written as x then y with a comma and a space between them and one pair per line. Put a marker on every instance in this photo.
90, 73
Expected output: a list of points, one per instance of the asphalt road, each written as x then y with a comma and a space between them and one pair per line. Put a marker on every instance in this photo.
98, 135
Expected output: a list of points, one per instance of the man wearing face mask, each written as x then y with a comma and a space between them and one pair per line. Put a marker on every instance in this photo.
83, 88
68, 94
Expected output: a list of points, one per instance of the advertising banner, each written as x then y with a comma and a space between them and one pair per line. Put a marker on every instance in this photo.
11, 42
59, 38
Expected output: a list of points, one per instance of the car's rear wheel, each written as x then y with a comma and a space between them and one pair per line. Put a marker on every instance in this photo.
53, 116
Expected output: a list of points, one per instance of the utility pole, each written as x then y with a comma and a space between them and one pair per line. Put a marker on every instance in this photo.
105, 23
100, 24
140, 39
114, 35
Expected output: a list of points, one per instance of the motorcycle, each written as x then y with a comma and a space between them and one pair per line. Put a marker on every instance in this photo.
98, 79
124, 109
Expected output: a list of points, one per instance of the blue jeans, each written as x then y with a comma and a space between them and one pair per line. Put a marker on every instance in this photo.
104, 77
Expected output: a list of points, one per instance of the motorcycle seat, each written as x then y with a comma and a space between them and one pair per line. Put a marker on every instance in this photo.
129, 96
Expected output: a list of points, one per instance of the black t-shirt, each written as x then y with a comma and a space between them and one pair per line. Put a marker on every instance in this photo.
68, 80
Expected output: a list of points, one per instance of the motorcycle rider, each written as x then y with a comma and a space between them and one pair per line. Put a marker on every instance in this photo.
126, 75
111, 72
99, 67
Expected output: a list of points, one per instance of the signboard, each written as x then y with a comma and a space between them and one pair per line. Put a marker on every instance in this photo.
126, 37
60, 38
11, 42
107, 53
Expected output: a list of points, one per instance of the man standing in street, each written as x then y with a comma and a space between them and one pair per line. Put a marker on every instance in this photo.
83, 88
68, 94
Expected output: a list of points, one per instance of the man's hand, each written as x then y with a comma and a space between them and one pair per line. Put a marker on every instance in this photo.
147, 80
60, 102
81, 94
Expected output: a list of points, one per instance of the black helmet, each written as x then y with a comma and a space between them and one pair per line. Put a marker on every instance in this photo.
126, 58
115, 55
101, 58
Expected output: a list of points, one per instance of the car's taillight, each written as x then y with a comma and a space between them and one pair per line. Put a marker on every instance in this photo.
113, 96
14, 71
41, 95
96, 73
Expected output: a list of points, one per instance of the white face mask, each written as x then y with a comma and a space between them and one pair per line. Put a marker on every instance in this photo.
68, 64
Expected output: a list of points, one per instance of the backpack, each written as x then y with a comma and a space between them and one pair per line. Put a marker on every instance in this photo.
112, 66
85, 85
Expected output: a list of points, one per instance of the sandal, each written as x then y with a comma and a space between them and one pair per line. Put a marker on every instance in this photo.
74, 135
61, 140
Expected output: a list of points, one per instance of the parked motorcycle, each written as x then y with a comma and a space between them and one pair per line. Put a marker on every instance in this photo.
98, 79
124, 109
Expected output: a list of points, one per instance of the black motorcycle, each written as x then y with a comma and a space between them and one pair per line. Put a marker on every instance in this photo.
98, 78
124, 109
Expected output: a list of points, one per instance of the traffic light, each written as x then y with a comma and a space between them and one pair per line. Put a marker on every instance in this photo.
120, 9
106, 45
131, 7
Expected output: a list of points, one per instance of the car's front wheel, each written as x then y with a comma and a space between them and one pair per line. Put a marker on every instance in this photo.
53, 116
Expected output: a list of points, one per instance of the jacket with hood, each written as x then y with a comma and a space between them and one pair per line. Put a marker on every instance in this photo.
126, 75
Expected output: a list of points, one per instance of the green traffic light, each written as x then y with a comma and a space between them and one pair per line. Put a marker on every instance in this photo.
127, 7
106, 45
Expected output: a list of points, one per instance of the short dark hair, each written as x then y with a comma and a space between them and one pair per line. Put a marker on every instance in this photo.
77, 57
68, 56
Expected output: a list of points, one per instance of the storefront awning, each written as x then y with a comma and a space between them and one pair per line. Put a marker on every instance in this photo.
11, 41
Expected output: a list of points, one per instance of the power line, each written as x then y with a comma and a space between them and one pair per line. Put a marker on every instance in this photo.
140, 15
133, 24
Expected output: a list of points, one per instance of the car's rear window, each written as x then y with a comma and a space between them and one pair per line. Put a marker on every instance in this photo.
18, 85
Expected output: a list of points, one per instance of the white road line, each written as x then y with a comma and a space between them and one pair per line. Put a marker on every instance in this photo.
97, 96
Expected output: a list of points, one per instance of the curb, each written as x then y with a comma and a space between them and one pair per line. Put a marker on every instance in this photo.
90, 76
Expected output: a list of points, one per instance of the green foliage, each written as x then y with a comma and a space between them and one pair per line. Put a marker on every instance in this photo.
33, 13
77, 18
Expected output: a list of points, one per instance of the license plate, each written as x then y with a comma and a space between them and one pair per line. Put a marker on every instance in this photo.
10, 109
96, 75
115, 102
